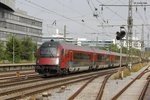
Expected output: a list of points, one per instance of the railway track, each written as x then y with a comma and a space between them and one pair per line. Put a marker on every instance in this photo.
128, 85
20, 88
145, 89
100, 93
23, 90
19, 82
7, 80
13, 75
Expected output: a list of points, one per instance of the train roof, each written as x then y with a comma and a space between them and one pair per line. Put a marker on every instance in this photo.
87, 49
79, 48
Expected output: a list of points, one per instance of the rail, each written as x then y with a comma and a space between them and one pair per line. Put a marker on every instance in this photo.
100, 94
92, 78
142, 95
128, 85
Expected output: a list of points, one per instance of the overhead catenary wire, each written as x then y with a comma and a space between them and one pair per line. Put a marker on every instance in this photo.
51, 11
107, 6
76, 21
58, 14
111, 10
47, 25
61, 15
97, 15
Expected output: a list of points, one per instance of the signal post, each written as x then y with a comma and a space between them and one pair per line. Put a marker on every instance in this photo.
120, 36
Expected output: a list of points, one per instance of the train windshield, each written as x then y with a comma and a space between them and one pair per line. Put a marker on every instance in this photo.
48, 52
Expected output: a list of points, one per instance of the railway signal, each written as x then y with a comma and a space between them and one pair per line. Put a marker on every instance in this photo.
121, 34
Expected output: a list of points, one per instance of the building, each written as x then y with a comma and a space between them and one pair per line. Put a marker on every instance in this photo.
147, 49
18, 23
136, 43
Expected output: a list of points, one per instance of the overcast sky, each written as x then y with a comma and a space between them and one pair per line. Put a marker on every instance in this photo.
77, 15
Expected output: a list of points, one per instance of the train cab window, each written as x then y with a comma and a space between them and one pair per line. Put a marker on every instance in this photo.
48, 52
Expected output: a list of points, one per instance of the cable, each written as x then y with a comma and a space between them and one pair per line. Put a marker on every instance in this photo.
46, 26
98, 15
112, 10
69, 7
90, 5
59, 14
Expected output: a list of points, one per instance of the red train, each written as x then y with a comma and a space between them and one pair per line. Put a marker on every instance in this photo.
62, 58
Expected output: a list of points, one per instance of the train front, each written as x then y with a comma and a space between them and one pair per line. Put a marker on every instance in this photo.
48, 59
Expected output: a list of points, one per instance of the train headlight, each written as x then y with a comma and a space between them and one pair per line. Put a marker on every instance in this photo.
57, 60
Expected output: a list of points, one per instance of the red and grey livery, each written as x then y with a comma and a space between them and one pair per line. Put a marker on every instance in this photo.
63, 58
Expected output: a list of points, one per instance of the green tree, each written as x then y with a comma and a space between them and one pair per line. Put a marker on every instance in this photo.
13, 46
134, 51
114, 48
2, 51
28, 49
34, 50
124, 50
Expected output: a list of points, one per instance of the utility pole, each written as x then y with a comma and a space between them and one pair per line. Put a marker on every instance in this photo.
97, 39
64, 32
148, 40
130, 25
142, 41
142, 37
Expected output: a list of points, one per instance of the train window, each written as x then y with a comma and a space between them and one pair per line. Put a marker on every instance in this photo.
76, 56
86, 56
81, 56
100, 57
103, 57
117, 57
48, 51
106, 57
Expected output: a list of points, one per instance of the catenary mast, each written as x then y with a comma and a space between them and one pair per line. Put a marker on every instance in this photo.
130, 25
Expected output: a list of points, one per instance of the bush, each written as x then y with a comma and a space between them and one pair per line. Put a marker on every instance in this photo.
126, 72
136, 67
